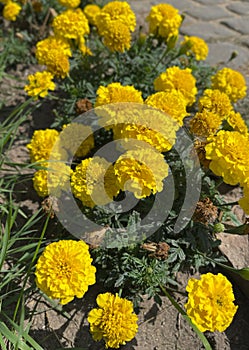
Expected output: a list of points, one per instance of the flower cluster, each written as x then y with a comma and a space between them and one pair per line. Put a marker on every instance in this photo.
115, 22
164, 21
210, 302
64, 270
114, 320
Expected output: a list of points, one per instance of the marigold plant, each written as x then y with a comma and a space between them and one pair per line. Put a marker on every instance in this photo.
210, 302
114, 320
65, 270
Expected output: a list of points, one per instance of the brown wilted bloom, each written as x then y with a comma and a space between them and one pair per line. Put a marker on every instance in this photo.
159, 250
83, 105
205, 212
201, 152
37, 6
50, 206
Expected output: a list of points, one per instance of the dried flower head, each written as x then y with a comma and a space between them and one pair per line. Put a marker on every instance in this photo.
114, 320
83, 105
205, 212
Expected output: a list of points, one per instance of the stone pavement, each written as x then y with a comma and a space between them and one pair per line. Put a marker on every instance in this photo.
223, 24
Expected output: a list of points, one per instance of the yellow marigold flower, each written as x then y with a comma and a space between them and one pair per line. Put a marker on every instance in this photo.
117, 37
205, 123
94, 182
141, 171
228, 152
210, 302
171, 102
179, 79
39, 84
236, 121
69, 3
53, 180
115, 11
11, 10
64, 270
142, 124
164, 20
71, 24
91, 12
231, 82
42, 143
215, 101
114, 320
115, 92
193, 45
244, 201
54, 52
70, 138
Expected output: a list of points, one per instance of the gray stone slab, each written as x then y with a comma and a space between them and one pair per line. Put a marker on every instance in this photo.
208, 31
239, 24
213, 2
208, 13
219, 54
241, 8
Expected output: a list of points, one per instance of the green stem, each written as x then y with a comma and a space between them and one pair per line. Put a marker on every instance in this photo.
186, 317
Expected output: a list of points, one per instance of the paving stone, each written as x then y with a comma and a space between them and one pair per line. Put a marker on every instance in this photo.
239, 24
219, 53
241, 8
213, 2
208, 31
208, 13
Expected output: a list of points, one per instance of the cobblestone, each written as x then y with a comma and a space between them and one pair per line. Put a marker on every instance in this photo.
240, 8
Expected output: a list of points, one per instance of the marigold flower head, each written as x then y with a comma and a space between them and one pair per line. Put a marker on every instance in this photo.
118, 37
64, 270
205, 123
210, 302
228, 152
54, 52
215, 101
71, 24
94, 182
114, 320
91, 12
115, 92
69, 3
39, 84
171, 102
136, 123
115, 11
77, 139
53, 180
236, 121
42, 143
179, 79
230, 82
164, 20
193, 45
11, 10
141, 171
